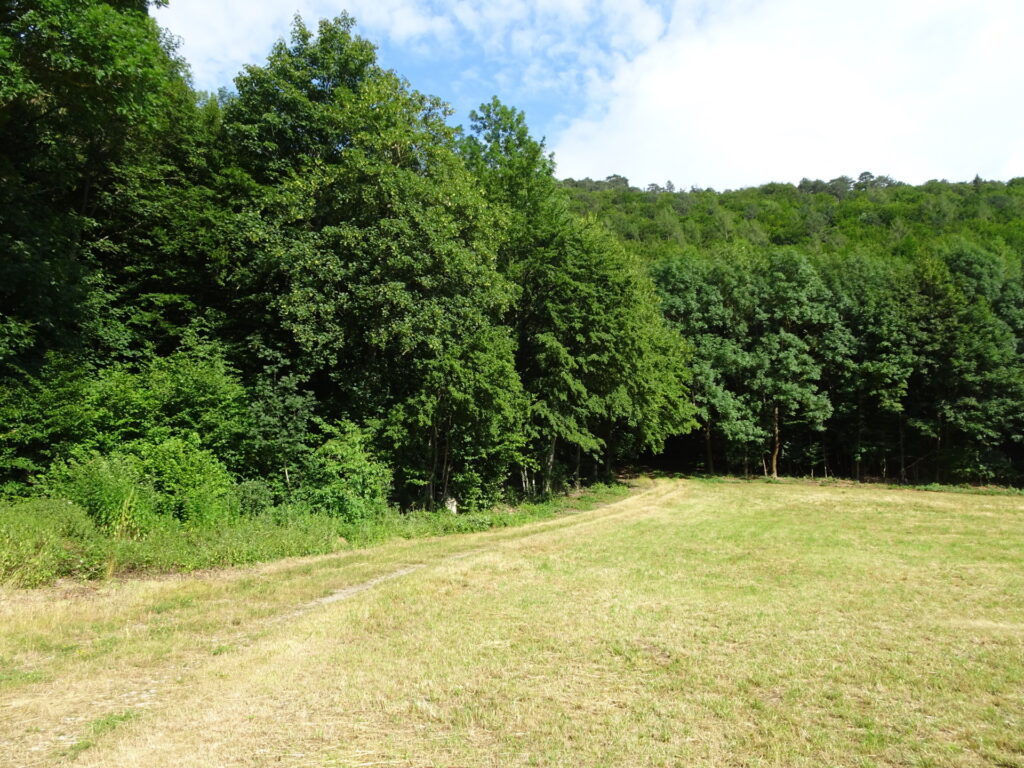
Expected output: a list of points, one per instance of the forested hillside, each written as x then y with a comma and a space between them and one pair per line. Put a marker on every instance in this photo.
308, 295
312, 295
867, 328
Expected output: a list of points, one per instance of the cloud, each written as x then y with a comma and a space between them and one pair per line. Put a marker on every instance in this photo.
568, 38
720, 93
220, 36
745, 92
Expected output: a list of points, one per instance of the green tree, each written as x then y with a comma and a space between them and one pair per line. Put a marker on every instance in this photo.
378, 267
603, 372
76, 79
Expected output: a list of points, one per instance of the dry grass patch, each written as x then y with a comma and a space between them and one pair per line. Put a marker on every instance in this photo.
725, 624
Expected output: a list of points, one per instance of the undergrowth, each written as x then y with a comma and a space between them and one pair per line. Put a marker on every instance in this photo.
44, 539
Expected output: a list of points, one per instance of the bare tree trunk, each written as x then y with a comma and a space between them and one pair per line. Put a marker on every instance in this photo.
776, 442
707, 445
445, 473
550, 466
903, 455
433, 463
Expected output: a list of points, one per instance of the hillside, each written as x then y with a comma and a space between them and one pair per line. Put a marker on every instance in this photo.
860, 328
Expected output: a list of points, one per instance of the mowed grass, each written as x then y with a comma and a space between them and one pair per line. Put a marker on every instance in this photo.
691, 624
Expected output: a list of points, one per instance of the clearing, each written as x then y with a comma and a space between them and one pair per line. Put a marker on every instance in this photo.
695, 623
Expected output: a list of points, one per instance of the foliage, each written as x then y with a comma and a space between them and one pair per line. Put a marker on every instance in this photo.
72, 406
112, 490
599, 367
882, 319
313, 296
44, 539
342, 480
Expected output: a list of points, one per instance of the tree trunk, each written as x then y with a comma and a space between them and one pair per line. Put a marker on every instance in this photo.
446, 473
776, 442
550, 466
433, 464
903, 455
710, 466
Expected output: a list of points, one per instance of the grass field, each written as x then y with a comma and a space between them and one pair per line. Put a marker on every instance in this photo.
694, 623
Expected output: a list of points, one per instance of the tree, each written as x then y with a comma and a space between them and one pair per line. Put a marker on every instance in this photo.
602, 371
76, 79
379, 265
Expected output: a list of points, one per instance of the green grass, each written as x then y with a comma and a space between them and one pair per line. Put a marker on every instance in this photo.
98, 728
701, 624
45, 539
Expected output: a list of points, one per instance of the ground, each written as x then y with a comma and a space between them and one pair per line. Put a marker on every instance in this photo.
694, 623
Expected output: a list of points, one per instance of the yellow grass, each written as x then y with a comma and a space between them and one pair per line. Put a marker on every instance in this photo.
692, 624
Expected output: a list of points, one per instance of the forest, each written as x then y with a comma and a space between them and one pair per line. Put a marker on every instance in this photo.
313, 297
865, 328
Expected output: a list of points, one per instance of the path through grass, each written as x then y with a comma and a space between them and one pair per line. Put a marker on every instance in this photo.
694, 623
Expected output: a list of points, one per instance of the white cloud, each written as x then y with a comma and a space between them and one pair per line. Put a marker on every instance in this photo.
719, 93
404, 21
745, 92
220, 36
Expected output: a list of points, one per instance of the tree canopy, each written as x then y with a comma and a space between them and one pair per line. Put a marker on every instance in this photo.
314, 291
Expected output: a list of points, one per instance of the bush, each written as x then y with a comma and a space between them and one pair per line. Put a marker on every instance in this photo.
255, 497
111, 489
192, 485
45, 539
190, 394
343, 480
125, 492
71, 408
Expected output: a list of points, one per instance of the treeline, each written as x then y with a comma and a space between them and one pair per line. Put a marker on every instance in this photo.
861, 328
312, 298
310, 294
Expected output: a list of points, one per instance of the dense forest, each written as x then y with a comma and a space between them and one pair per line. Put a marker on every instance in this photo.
313, 293
866, 329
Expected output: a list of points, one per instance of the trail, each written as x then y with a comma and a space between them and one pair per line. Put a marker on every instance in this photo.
40, 726
693, 623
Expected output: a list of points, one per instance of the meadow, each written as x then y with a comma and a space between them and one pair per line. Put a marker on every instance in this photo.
691, 623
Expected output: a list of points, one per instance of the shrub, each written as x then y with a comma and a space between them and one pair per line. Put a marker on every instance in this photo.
72, 407
126, 491
343, 480
192, 485
190, 394
255, 497
44, 539
111, 489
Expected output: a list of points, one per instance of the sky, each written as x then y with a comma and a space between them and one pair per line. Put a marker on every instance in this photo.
704, 93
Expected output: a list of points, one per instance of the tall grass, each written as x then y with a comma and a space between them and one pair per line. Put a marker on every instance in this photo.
45, 539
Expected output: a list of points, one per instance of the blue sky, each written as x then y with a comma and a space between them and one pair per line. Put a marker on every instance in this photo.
707, 93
